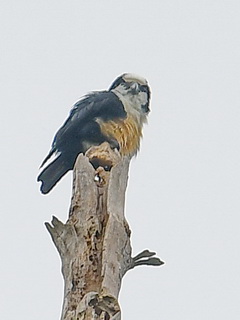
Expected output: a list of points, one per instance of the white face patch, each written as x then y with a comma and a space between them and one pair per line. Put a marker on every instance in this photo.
133, 103
136, 100
142, 98
134, 93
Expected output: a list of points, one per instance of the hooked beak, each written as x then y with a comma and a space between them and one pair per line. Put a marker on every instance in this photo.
134, 89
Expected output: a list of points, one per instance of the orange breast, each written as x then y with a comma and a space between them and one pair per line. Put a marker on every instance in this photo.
127, 132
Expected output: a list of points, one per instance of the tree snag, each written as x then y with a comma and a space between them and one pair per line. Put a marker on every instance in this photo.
94, 243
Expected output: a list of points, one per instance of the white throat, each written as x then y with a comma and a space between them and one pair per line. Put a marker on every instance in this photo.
133, 103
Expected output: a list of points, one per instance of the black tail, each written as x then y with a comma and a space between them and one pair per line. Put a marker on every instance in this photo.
53, 173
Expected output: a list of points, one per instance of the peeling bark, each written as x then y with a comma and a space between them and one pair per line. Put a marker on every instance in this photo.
94, 243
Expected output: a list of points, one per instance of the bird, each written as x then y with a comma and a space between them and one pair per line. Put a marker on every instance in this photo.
115, 116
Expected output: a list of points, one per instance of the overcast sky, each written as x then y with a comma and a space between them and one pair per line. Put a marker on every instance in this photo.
183, 193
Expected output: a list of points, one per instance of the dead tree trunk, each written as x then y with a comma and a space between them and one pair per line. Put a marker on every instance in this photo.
94, 244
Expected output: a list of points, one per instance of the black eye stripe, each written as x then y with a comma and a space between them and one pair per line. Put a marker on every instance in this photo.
144, 88
117, 82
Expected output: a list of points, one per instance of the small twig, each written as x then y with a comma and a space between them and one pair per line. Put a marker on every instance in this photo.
138, 261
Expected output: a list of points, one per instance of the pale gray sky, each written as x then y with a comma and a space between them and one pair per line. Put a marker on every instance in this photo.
183, 194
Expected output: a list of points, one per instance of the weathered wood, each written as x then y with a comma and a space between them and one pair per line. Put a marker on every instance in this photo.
94, 244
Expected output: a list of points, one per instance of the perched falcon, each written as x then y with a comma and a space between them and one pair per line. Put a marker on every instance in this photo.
115, 115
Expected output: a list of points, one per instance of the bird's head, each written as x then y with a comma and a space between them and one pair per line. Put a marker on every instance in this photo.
135, 90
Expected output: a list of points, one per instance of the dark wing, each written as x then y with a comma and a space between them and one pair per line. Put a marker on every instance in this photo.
81, 125
78, 131
104, 104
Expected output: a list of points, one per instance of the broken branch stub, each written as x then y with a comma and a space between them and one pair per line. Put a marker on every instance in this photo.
94, 243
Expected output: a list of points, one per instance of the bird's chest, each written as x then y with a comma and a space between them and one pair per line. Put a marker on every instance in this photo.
127, 132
